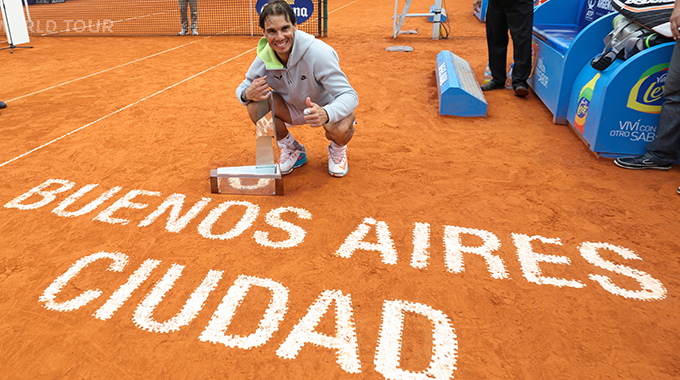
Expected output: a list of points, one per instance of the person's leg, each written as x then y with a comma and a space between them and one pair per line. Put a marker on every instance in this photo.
292, 154
194, 16
497, 40
666, 146
342, 131
183, 15
339, 133
281, 112
664, 150
520, 18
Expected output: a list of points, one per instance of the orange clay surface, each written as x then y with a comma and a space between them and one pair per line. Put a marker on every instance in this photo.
156, 114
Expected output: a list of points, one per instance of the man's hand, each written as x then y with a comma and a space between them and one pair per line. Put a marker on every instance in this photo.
675, 21
258, 90
315, 115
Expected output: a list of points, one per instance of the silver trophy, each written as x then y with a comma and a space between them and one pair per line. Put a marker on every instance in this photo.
264, 178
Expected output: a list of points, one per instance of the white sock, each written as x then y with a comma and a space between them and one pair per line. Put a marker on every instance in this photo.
337, 147
288, 142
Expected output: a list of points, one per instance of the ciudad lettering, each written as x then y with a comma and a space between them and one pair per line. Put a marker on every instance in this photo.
345, 345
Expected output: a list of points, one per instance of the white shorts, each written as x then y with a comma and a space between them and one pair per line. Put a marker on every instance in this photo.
297, 115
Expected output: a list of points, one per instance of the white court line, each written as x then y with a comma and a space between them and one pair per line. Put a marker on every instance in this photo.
103, 71
139, 101
344, 6
124, 108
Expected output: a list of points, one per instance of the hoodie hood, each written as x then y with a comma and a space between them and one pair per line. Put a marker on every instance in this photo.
301, 42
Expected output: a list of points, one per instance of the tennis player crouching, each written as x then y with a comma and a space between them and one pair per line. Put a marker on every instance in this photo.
309, 88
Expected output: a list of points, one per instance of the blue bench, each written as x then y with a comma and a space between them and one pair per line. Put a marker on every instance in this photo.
567, 35
559, 37
616, 111
481, 11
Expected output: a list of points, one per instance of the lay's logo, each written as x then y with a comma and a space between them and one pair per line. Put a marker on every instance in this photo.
647, 94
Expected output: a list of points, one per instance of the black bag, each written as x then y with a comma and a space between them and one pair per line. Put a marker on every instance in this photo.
652, 14
625, 40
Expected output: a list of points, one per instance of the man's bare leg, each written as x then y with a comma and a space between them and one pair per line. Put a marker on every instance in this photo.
339, 133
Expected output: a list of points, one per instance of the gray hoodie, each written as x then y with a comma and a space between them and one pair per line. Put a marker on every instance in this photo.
313, 71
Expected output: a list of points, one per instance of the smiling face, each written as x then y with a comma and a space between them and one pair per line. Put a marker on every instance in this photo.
280, 34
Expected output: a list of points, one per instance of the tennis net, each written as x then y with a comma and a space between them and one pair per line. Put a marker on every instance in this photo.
161, 17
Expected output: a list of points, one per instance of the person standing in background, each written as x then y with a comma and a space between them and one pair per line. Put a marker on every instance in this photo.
185, 21
664, 150
518, 17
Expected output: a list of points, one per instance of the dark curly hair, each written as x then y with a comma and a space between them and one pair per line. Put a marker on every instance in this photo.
277, 8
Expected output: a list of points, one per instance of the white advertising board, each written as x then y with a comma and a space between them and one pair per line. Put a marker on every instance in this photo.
15, 22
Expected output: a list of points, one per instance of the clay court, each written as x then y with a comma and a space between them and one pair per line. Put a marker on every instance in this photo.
497, 247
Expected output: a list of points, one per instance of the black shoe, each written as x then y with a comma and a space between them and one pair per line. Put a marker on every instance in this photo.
492, 85
521, 91
678, 190
3, 105
640, 162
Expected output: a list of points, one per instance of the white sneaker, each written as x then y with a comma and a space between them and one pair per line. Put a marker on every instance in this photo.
337, 161
183, 32
194, 32
291, 158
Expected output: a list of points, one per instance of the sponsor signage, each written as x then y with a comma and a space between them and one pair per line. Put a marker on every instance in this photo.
303, 9
647, 94
595, 9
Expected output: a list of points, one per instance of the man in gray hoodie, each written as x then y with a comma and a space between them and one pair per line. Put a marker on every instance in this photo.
309, 88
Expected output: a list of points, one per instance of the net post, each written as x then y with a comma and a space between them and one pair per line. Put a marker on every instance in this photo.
252, 9
325, 18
